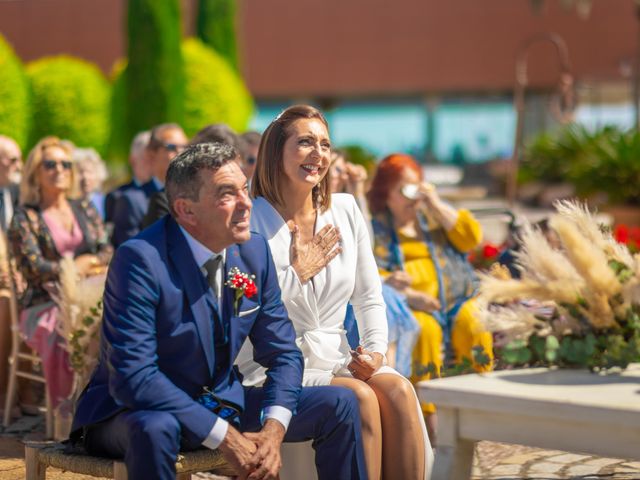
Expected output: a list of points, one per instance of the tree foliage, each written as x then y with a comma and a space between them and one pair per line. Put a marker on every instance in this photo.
70, 99
600, 161
216, 27
14, 96
154, 78
214, 91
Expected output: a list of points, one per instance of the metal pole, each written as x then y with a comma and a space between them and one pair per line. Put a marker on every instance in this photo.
519, 100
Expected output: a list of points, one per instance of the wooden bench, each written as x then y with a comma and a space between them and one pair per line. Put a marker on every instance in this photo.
41, 455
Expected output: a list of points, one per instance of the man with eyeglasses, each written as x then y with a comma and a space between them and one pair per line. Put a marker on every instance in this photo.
214, 133
140, 173
166, 141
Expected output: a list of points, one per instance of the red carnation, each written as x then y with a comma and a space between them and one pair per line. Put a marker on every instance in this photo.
490, 251
243, 285
250, 289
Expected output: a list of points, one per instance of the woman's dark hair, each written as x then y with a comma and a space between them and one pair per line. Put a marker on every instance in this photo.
269, 169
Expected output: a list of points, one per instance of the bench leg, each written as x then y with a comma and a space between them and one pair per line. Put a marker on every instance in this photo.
454, 455
34, 469
120, 471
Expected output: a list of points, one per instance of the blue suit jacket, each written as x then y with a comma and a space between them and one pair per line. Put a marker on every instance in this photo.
128, 209
110, 199
157, 345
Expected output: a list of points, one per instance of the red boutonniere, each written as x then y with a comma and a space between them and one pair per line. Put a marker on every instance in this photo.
243, 284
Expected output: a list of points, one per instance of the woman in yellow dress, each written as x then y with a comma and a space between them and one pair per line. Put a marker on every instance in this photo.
420, 246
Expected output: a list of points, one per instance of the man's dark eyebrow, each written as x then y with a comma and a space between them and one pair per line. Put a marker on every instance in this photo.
229, 186
224, 186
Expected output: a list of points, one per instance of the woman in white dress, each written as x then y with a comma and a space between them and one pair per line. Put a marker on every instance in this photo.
321, 249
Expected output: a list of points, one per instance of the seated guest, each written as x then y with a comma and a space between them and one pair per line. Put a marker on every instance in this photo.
10, 160
49, 224
215, 133
140, 172
252, 145
92, 172
165, 142
420, 246
322, 253
172, 328
346, 177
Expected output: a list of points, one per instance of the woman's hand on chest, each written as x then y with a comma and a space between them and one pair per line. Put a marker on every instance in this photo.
311, 256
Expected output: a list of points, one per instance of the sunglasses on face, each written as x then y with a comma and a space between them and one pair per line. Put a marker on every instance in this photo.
53, 164
173, 147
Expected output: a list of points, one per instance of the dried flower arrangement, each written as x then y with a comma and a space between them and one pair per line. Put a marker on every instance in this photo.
80, 303
578, 305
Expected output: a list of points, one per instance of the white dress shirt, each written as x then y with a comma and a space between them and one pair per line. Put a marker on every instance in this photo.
201, 255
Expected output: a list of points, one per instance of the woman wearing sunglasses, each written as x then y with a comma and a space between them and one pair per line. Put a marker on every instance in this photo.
420, 247
48, 225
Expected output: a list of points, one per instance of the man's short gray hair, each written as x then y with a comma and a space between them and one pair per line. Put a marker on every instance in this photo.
183, 177
139, 143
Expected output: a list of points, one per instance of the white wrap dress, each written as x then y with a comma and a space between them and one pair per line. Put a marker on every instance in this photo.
318, 308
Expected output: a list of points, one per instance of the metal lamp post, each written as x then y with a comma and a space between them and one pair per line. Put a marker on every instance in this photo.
565, 86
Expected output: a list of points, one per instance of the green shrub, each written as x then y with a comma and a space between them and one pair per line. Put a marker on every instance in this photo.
603, 161
217, 29
154, 79
361, 156
14, 96
118, 147
70, 99
214, 91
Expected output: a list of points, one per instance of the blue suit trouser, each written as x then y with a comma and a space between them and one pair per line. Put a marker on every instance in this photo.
149, 441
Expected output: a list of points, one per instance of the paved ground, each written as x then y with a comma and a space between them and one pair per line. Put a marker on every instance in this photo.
493, 461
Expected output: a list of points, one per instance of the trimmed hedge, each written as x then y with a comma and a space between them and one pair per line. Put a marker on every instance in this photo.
216, 27
14, 96
118, 147
214, 91
155, 77
70, 99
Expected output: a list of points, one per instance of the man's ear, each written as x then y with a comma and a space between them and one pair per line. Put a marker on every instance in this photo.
183, 210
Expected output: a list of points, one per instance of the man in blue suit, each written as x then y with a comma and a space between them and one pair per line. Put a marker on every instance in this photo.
129, 207
171, 331
140, 172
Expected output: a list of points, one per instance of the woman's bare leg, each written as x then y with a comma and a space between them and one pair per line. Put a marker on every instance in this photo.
371, 426
403, 445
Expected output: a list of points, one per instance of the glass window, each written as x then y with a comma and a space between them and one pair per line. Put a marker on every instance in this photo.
473, 132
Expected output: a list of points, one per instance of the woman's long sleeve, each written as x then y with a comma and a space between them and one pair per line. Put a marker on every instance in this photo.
26, 250
466, 234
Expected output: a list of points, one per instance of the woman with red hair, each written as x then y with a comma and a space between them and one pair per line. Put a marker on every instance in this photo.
420, 246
